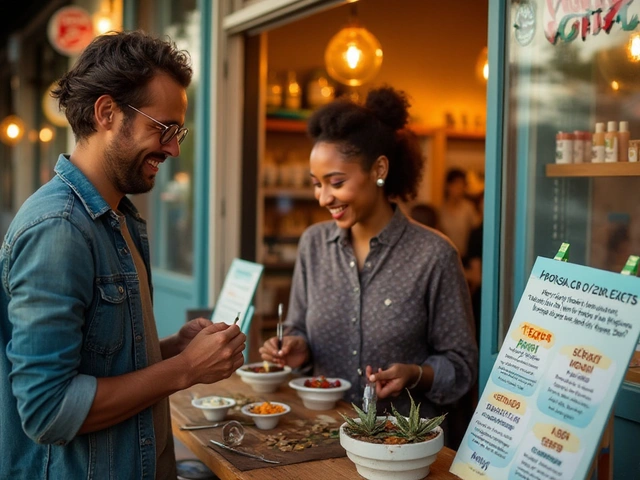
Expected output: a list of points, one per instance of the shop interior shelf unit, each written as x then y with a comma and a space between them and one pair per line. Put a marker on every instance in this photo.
619, 169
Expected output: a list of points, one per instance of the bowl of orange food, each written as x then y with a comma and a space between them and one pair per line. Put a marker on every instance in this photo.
264, 377
320, 393
266, 415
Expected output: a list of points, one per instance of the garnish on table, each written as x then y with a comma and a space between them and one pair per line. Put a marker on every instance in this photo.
267, 408
321, 382
308, 435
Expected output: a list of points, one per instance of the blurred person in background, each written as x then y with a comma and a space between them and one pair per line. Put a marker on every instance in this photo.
85, 379
458, 215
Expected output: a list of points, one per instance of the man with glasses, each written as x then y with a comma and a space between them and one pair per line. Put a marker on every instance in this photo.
85, 379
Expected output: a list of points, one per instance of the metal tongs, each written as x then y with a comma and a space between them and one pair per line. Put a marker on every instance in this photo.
240, 452
280, 326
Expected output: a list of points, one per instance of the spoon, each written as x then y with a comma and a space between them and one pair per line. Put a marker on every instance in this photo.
280, 327
201, 427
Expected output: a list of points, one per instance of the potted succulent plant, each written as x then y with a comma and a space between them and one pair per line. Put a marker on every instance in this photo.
396, 447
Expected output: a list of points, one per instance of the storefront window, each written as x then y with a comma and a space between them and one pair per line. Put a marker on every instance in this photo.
571, 65
171, 216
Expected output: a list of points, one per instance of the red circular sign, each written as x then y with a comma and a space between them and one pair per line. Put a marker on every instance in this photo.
70, 30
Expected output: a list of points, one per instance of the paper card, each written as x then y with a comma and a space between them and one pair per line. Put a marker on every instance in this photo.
237, 292
552, 387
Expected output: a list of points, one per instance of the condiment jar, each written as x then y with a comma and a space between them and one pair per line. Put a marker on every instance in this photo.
564, 147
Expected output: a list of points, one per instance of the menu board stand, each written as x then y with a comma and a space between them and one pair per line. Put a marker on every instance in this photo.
546, 411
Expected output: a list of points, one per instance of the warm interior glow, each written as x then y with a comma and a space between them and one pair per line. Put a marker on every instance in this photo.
482, 65
11, 130
45, 135
102, 24
615, 86
633, 47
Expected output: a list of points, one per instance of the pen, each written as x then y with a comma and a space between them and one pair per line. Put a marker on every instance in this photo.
237, 318
280, 327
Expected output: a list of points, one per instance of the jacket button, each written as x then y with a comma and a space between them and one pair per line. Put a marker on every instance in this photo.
138, 338
148, 441
120, 289
61, 442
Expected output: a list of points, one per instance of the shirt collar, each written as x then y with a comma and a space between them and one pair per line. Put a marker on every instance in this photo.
389, 235
93, 202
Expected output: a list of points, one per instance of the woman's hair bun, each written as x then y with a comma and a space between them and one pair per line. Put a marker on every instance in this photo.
390, 106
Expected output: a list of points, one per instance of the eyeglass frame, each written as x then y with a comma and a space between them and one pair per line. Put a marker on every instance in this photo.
165, 128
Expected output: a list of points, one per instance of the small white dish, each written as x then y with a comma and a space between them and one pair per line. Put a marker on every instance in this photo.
263, 382
265, 421
319, 398
214, 408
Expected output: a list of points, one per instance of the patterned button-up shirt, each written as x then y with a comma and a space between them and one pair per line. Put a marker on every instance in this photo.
409, 304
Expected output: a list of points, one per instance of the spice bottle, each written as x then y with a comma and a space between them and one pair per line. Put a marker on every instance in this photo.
633, 150
580, 148
597, 144
611, 143
564, 147
623, 142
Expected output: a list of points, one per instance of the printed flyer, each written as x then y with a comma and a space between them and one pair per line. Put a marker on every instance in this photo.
555, 379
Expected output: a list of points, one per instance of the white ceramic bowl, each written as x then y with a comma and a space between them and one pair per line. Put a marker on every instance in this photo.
214, 408
319, 398
263, 382
265, 421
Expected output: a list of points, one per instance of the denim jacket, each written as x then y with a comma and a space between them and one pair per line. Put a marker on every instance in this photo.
70, 312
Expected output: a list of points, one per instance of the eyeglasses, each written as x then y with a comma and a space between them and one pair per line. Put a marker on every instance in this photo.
168, 131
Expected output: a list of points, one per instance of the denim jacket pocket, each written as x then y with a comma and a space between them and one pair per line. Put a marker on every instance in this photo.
105, 334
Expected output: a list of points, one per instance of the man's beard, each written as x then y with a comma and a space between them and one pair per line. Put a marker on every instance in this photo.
123, 166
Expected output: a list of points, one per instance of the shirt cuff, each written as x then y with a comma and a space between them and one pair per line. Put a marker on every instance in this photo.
444, 377
73, 411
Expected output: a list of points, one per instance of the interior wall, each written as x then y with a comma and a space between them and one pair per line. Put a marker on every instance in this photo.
430, 51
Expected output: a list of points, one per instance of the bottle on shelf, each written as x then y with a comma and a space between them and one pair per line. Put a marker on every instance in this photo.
611, 143
274, 92
623, 142
293, 92
597, 144
564, 147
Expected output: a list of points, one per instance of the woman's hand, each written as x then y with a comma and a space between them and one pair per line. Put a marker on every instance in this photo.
392, 381
294, 352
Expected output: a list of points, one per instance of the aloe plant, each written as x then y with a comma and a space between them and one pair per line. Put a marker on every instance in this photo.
369, 424
413, 428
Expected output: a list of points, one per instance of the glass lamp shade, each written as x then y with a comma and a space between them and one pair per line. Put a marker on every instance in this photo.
353, 56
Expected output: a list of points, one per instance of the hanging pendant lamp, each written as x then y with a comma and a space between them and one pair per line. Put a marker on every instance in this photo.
353, 55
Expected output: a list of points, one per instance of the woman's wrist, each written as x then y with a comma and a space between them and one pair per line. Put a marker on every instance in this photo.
418, 378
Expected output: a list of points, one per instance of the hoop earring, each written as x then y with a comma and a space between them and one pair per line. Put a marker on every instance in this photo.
380, 182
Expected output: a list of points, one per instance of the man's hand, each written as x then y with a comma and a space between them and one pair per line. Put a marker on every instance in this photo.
177, 342
214, 353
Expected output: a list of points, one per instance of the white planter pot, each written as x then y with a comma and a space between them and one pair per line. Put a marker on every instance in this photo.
392, 462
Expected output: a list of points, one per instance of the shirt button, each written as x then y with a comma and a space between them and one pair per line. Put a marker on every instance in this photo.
355, 352
138, 338
354, 320
356, 289
368, 264
352, 264
359, 371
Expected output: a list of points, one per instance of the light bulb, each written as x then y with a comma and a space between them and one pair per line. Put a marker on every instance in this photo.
11, 130
482, 65
353, 56
633, 48
46, 134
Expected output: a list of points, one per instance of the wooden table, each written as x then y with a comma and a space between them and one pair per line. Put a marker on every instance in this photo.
198, 440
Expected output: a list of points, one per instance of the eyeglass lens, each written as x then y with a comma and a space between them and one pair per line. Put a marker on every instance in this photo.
171, 131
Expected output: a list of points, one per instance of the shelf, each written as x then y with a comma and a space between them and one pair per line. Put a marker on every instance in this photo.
300, 126
619, 169
299, 193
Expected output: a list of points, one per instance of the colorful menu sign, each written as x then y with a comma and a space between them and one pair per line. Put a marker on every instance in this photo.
554, 382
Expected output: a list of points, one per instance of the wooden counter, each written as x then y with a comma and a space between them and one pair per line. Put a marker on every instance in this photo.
182, 412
